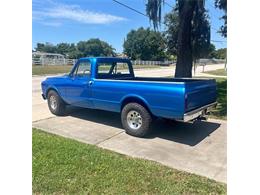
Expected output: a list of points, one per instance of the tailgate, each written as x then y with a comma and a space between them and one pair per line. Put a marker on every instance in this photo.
199, 93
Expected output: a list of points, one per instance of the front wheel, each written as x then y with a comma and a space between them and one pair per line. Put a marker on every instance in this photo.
136, 120
55, 103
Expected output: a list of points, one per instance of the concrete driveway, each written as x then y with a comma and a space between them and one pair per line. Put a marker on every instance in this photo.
198, 148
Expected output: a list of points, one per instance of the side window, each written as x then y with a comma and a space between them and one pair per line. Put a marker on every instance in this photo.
83, 69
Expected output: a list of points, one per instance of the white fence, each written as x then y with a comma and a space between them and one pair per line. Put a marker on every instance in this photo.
159, 63
50, 61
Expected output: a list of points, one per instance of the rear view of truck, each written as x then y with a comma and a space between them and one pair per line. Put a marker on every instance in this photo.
200, 97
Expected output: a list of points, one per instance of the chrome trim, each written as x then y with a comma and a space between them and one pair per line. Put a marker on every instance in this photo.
198, 112
138, 81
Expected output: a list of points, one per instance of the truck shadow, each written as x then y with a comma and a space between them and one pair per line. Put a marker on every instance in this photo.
186, 133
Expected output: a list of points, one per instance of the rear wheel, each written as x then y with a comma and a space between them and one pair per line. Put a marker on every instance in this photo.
136, 120
55, 103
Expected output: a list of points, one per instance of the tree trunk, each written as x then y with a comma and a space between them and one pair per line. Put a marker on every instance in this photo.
184, 50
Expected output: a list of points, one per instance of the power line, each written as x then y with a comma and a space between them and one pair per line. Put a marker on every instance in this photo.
130, 8
218, 41
139, 12
166, 3
133, 9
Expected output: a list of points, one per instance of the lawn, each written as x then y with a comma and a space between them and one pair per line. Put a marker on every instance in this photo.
54, 69
65, 166
44, 70
221, 110
219, 72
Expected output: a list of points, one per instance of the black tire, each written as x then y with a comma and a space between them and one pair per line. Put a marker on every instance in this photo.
146, 119
59, 110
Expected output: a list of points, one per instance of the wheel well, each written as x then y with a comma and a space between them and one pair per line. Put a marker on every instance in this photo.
53, 89
135, 100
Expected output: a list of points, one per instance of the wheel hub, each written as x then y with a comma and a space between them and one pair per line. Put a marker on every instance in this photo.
134, 119
53, 102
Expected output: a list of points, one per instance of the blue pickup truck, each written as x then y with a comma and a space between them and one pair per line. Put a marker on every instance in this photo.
107, 83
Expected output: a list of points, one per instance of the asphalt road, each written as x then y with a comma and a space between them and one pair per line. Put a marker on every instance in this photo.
198, 148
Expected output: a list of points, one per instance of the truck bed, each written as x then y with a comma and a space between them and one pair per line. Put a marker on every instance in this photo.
197, 92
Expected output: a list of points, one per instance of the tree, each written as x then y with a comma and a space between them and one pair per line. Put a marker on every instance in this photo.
63, 48
144, 44
221, 53
187, 9
95, 47
92, 47
200, 33
212, 51
222, 4
46, 47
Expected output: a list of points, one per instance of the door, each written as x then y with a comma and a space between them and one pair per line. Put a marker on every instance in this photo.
78, 90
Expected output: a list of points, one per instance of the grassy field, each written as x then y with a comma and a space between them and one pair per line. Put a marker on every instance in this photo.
44, 70
221, 110
64, 166
219, 72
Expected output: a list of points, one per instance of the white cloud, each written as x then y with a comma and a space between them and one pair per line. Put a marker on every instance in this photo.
75, 13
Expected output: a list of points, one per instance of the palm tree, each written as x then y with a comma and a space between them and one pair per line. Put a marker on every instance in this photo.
186, 10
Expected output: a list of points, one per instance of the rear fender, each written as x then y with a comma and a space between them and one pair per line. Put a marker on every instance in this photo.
134, 98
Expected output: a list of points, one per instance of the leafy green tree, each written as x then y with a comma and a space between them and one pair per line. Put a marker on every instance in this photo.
40, 47
221, 53
92, 47
145, 44
95, 47
46, 47
188, 10
200, 33
73, 52
212, 51
222, 4
63, 48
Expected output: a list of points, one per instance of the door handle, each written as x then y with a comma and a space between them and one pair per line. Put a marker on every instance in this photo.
90, 83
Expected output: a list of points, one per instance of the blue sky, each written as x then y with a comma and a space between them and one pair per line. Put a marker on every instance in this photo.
71, 21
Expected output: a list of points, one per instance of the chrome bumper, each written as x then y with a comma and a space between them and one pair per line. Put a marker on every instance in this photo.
194, 114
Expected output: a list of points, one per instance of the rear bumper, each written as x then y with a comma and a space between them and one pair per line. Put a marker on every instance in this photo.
194, 114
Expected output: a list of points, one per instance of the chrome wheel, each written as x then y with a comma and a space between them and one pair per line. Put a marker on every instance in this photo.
134, 119
53, 102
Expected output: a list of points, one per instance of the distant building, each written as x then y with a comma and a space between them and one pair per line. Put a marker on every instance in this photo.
41, 58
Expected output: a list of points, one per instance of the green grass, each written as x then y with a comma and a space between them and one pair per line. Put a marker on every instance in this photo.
221, 110
44, 70
219, 72
65, 166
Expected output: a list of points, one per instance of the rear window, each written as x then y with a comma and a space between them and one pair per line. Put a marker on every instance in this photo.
112, 69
